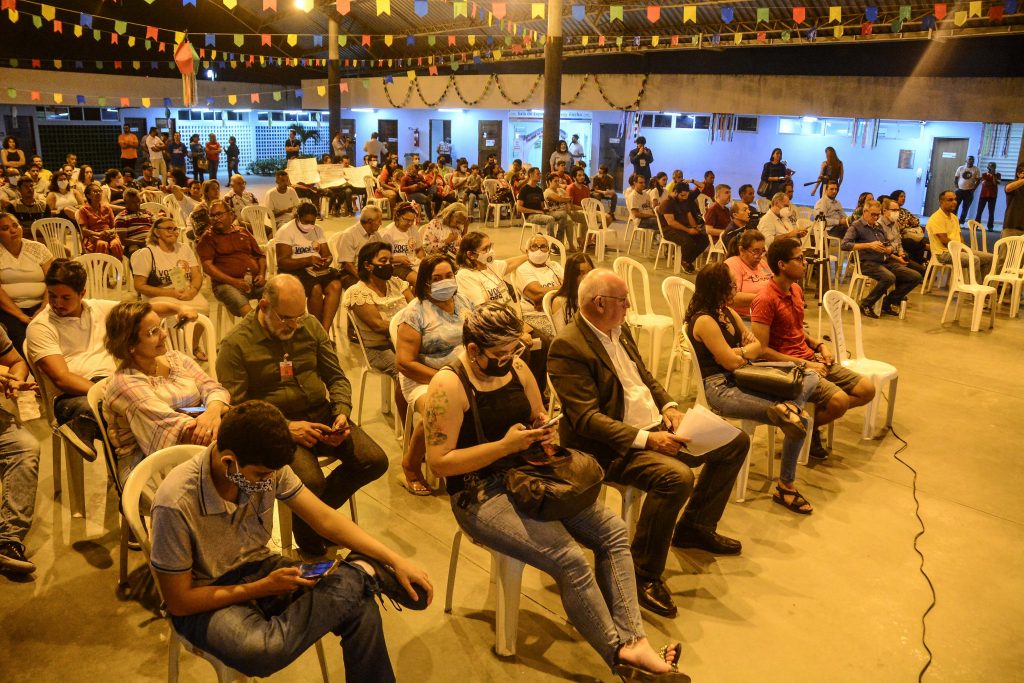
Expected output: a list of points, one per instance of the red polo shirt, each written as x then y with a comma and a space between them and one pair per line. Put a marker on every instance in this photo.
783, 313
578, 193
717, 216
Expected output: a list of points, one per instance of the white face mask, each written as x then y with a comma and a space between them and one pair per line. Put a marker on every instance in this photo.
62, 185
305, 227
485, 257
892, 215
786, 212
537, 257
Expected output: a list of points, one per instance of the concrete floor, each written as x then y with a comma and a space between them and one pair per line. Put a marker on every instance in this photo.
836, 596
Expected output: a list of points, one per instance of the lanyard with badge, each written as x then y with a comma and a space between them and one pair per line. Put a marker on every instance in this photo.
286, 369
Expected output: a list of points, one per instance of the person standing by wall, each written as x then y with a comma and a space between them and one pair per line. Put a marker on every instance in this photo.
129, 144
641, 158
989, 193
233, 155
967, 178
213, 155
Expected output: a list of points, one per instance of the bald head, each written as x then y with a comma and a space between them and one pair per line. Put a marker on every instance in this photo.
603, 299
283, 288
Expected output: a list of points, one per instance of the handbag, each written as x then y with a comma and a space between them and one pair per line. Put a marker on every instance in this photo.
202, 164
781, 380
542, 487
762, 188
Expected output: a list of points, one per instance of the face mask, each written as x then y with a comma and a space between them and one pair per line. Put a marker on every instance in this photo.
443, 290
786, 212
12, 180
247, 487
384, 271
891, 216
485, 257
495, 368
538, 257
306, 227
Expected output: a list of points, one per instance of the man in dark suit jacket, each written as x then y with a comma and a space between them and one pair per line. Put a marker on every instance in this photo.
618, 411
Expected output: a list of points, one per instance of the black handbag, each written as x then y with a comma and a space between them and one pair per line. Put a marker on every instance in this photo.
762, 188
542, 487
781, 380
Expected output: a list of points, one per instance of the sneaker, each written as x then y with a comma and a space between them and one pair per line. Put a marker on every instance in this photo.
890, 309
77, 440
12, 558
817, 450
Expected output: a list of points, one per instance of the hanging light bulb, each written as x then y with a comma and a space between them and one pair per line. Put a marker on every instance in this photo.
304, 5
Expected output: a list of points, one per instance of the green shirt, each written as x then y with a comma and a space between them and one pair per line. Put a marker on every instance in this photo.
248, 365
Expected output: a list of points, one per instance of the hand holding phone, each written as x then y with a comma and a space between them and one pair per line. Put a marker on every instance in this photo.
317, 570
552, 422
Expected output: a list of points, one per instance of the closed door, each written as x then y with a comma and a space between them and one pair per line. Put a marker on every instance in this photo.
348, 130
489, 141
947, 155
611, 151
440, 130
387, 130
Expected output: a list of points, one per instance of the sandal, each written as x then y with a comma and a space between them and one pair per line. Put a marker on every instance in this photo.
414, 486
791, 421
631, 672
797, 504
200, 356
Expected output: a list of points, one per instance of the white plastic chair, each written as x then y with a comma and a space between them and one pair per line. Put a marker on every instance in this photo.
763, 205
256, 216
142, 484
703, 202
933, 272
677, 293
528, 230
173, 208
370, 183
859, 281
673, 252
270, 249
73, 459
641, 315
105, 448
960, 287
154, 208
978, 235
853, 358
597, 227
104, 276
180, 339
1008, 270
490, 187
59, 235
388, 384
644, 235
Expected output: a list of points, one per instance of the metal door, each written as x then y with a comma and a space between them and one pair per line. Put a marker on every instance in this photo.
611, 151
489, 141
947, 155
348, 130
387, 132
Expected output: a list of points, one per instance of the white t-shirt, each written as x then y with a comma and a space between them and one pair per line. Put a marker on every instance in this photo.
403, 243
639, 200
79, 340
303, 244
22, 277
278, 201
547, 276
352, 240
152, 142
173, 269
481, 286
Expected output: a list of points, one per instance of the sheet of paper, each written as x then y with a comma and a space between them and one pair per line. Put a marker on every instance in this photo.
705, 430
303, 171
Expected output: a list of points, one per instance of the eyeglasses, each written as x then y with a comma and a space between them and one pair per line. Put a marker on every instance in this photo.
757, 252
218, 214
800, 258
288, 319
151, 332
519, 350
169, 228
539, 247
623, 299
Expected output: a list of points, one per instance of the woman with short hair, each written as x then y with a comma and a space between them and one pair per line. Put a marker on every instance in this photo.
749, 269
63, 199
23, 265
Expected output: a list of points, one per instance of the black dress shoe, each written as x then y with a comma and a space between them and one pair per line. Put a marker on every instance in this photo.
388, 584
868, 311
890, 309
817, 449
713, 542
654, 596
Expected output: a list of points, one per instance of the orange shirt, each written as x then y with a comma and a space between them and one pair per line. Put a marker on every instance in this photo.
213, 151
129, 144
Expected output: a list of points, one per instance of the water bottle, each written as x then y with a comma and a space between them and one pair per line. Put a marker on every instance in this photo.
28, 407
248, 276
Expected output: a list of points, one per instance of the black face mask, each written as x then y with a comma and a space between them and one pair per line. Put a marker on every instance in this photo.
496, 368
384, 272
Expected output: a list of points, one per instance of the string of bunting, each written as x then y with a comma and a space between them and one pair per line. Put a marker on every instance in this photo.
636, 102
579, 91
444, 93
253, 97
473, 103
511, 100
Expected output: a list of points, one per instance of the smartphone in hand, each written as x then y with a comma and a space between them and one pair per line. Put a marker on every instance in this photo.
317, 570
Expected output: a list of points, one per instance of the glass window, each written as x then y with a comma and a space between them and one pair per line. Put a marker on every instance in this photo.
839, 127
746, 124
702, 122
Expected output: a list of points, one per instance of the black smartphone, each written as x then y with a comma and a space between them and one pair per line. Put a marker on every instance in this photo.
317, 570
181, 323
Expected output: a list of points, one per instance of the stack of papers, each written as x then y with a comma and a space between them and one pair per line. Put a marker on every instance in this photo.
705, 430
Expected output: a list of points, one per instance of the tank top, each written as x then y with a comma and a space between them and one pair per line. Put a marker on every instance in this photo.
708, 365
499, 410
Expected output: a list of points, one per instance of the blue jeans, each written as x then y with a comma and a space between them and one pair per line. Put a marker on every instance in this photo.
600, 602
19, 473
266, 635
728, 400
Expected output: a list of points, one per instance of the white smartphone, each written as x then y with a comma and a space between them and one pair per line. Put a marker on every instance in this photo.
552, 422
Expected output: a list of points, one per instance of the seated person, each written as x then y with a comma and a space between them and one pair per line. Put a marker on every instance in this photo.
561, 170
40, 186
63, 199
682, 224
374, 301
477, 407
944, 227
639, 203
350, 241
145, 396
530, 203
438, 188
718, 216
723, 344
890, 225
302, 250
622, 415
739, 221
148, 185
864, 197
481, 276
539, 274
775, 223
19, 465
777, 317
604, 188
429, 335
415, 187
132, 224
229, 595
829, 207
879, 261
564, 304
114, 184
23, 266
27, 206
199, 218
282, 199
750, 273
65, 343
234, 261
282, 355
389, 182
915, 242
96, 222
748, 197
404, 238
444, 232
239, 198
473, 194
571, 222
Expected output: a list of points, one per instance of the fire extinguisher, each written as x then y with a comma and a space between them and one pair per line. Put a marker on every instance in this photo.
415, 137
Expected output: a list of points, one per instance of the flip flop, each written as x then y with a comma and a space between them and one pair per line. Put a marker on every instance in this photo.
416, 488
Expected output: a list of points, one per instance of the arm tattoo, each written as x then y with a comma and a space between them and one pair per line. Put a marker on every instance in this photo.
432, 415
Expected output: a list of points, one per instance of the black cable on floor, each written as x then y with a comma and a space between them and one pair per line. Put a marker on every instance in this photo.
918, 535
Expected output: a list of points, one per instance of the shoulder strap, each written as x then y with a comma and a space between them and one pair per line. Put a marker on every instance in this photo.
457, 367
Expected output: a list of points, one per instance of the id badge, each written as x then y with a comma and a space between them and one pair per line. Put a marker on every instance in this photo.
286, 369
